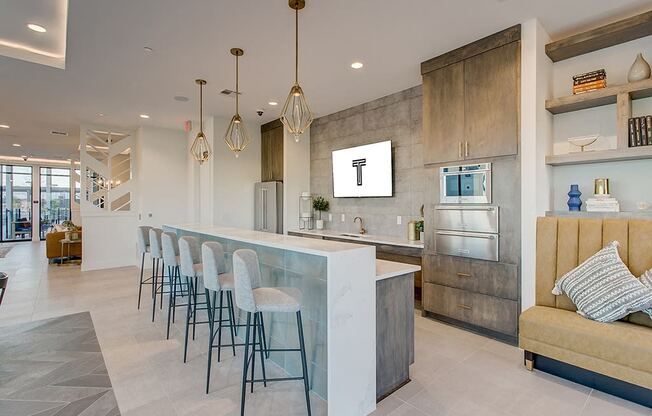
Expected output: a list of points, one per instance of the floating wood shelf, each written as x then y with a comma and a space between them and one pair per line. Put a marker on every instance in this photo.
601, 156
605, 96
603, 37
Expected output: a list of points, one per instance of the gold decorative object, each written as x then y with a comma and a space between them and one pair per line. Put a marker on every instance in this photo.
583, 141
601, 186
200, 149
236, 136
296, 115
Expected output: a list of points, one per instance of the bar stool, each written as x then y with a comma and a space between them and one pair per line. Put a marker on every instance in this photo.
217, 280
170, 246
155, 250
191, 267
143, 249
254, 299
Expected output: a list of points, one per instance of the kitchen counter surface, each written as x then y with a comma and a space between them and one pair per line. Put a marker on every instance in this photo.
362, 238
386, 269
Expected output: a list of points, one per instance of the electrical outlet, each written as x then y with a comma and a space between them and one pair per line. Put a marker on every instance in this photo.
330, 217
398, 220
343, 218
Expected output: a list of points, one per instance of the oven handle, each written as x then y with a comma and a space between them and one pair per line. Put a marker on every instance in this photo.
458, 208
464, 234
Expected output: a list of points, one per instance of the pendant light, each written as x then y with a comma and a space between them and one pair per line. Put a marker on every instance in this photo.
236, 136
296, 114
200, 149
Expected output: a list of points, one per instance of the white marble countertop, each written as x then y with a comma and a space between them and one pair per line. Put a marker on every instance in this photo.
280, 241
362, 238
386, 269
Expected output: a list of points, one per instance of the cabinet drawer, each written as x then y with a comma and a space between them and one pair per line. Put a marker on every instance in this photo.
496, 314
489, 278
464, 244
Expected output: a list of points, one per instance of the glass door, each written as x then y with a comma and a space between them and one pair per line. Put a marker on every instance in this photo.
16, 203
55, 198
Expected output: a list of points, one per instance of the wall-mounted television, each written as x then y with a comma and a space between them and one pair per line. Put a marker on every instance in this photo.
363, 171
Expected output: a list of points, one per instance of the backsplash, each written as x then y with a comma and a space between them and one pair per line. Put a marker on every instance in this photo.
396, 117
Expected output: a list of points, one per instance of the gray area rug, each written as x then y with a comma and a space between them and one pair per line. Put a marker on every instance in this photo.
54, 367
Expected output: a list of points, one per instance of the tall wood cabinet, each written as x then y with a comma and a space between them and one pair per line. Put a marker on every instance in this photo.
471, 101
271, 151
471, 106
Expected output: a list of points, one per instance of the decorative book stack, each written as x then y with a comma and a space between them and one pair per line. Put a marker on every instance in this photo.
590, 81
640, 131
602, 203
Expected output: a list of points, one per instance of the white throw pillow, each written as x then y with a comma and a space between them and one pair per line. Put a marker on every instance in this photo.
603, 289
646, 279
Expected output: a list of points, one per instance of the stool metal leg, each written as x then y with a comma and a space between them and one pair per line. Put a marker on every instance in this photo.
211, 325
229, 301
172, 297
162, 283
264, 337
140, 286
263, 351
302, 346
245, 366
189, 306
219, 328
253, 353
154, 285
194, 315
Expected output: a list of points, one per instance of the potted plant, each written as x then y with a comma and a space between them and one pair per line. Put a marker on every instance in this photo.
320, 204
72, 231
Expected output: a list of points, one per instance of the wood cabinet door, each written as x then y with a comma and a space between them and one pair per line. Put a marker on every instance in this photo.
443, 113
271, 155
491, 102
265, 156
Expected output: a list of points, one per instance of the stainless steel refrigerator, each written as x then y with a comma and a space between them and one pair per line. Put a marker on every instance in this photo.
268, 207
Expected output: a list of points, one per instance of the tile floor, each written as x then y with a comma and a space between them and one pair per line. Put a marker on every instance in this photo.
457, 373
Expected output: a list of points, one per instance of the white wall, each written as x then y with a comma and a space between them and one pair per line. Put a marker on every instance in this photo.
616, 60
162, 176
296, 176
536, 82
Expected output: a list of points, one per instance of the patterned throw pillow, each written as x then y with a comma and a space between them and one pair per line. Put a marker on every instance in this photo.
646, 279
603, 288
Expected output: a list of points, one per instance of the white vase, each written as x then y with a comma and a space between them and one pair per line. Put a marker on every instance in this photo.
640, 69
319, 224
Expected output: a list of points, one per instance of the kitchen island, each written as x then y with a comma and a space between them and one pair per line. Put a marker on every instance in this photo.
339, 285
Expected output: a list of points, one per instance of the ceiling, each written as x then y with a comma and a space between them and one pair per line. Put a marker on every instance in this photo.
109, 72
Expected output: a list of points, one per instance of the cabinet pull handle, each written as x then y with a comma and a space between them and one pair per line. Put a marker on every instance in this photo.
462, 306
466, 149
459, 149
461, 275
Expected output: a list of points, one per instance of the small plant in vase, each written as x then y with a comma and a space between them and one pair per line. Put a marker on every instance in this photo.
72, 231
320, 204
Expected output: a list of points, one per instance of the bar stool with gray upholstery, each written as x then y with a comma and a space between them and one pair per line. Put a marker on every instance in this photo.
170, 246
254, 299
143, 249
191, 268
156, 251
3, 285
217, 281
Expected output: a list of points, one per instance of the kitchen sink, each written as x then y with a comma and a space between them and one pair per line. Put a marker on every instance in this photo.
352, 235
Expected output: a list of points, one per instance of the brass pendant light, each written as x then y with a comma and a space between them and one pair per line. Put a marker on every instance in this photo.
200, 149
296, 114
236, 136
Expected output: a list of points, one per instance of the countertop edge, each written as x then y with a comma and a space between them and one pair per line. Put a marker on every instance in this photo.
386, 269
361, 240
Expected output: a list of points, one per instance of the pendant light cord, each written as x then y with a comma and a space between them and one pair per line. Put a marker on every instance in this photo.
296, 44
201, 108
237, 90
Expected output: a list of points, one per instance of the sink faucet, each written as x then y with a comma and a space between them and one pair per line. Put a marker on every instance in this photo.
362, 230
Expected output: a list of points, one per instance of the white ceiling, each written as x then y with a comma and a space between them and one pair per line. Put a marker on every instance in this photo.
108, 71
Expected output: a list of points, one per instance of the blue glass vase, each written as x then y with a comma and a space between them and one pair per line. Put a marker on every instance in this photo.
574, 201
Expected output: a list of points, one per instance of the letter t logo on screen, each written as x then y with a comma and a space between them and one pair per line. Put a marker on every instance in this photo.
358, 164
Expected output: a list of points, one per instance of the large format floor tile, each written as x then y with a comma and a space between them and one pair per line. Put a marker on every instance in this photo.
457, 373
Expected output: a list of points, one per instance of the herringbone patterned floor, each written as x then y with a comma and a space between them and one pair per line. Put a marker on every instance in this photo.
54, 367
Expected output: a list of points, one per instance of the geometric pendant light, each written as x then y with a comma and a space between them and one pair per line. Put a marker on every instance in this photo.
236, 136
200, 149
296, 115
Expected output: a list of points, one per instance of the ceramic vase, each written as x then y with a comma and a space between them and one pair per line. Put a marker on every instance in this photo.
640, 69
574, 201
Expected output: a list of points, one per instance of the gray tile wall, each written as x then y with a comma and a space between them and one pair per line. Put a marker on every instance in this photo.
396, 117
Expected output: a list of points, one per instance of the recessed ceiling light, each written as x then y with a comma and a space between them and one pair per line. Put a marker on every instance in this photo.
357, 65
100, 114
4, 126
16, 145
181, 98
36, 28
148, 49
144, 116
272, 103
